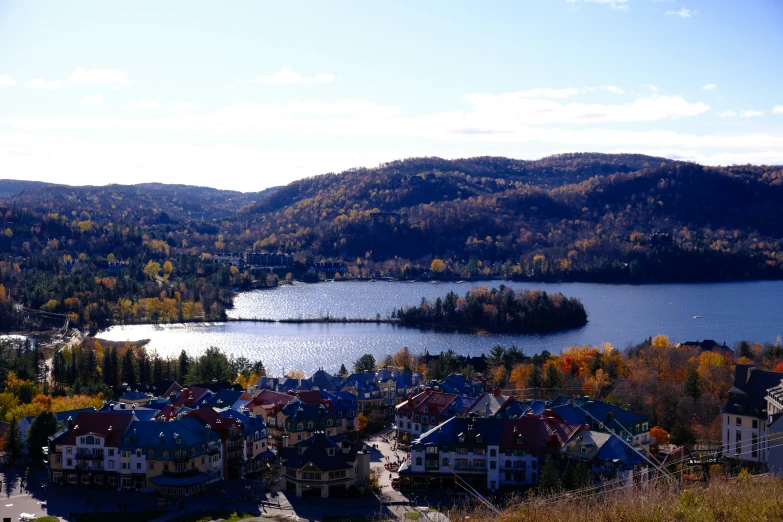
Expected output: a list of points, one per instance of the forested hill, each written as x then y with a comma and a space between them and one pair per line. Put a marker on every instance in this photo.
571, 216
577, 217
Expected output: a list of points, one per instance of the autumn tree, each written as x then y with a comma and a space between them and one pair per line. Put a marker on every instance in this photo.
437, 266
660, 436
152, 269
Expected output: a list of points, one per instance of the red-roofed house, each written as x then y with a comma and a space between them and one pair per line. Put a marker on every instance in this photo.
421, 413
89, 450
231, 435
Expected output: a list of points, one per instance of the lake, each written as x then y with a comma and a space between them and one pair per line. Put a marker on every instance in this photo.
618, 314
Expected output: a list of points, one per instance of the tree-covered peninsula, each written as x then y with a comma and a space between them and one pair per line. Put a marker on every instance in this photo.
501, 310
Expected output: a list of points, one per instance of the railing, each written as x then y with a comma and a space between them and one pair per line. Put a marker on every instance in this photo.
213, 450
181, 457
89, 456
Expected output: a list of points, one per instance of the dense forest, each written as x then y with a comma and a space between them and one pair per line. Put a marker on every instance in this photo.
570, 217
497, 310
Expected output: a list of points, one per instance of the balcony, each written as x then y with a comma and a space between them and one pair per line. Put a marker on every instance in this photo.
213, 450
92, 466
88, 456
181, 457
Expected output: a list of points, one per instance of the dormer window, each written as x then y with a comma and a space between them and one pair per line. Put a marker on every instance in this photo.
425, 409
520, 440
479, 438
543, 443
584, 449
461, 437
330, 452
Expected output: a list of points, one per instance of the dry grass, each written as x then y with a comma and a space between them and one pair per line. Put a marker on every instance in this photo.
752, 499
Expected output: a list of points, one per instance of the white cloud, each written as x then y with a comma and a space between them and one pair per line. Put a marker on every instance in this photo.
286, 75
547, 93
728, 114
6, 81
749, 113
614, 4
184, 106
684, 12
324, 78
611, 88
140, 104
94, 99
40, 83
488, 109
95, 76
709, 87
778, 109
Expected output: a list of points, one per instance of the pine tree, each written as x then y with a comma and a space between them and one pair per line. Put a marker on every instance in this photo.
744, 350
184, 366
550, 479
59, 371
569, 477
13, 441
553, 379
582, 475
157, 369
692, 384
44, 425
535, 379
343, 370
128, 371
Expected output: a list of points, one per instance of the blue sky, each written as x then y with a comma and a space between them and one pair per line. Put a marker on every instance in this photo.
246, 95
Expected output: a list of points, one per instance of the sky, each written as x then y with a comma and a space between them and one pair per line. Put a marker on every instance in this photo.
245, 95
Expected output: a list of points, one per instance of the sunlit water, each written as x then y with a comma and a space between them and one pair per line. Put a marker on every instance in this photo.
619, 314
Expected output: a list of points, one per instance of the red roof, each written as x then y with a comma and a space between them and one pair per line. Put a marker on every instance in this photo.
217, 422
270, 400
435, 402
542, 433
109, 426
189, 395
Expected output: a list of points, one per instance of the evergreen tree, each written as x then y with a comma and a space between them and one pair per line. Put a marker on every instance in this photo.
115, 369
365, 362
550, 479
184, 366
692, 384
582, 475
128, 371
13, 441
59, 371
682, 435
569, 477
258, 368
535, 379
43, 426
213, 364
157, 369
553, 378
343, 370
744, 350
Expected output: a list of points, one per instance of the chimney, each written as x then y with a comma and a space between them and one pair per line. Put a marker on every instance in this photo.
496, 392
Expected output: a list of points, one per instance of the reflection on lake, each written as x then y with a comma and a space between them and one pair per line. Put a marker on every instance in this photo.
619, 314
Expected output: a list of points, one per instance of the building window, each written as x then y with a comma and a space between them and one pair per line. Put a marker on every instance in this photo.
445, 462
138, 465
739, 421
165, 466
755, 424
493, 464
493, 452
151, 466
58, 459
151, 454
70, 462
111, 452
68, 450
418, 461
